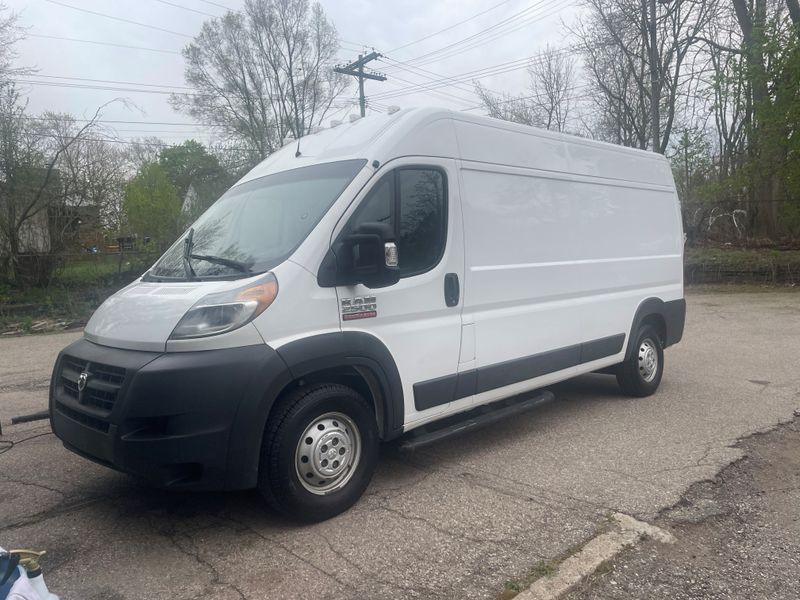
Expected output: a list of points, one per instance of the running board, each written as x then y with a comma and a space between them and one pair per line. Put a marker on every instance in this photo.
471, 423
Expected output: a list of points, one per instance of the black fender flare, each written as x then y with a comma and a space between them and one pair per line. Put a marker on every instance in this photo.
280, 368
367, 355
672, 312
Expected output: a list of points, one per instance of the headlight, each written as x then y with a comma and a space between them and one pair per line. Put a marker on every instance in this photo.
226, 311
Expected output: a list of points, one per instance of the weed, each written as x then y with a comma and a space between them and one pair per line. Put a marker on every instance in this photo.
542, 569
539, 570
548, 568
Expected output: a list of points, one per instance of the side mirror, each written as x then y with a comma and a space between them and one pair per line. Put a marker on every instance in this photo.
368, 256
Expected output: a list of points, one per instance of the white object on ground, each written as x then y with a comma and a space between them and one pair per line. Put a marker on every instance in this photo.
628, 532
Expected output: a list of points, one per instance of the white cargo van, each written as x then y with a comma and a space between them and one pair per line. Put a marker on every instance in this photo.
373, 278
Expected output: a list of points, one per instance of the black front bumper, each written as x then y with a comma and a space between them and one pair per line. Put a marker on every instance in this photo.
182, 419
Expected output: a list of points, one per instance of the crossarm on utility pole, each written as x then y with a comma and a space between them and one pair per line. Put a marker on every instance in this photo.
356, 69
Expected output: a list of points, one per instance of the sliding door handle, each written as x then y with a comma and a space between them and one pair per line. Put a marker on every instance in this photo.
452, 290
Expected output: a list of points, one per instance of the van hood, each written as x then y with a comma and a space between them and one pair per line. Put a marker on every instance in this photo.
143, 315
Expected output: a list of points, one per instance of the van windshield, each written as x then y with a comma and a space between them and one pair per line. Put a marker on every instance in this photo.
256, 225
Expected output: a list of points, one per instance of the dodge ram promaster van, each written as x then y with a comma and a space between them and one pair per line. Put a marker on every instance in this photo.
367, 280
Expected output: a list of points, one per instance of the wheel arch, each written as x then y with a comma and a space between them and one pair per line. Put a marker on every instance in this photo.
356, 359
667, 317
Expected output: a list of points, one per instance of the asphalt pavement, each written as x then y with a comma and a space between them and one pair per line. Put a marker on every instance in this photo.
456, 520
737, 537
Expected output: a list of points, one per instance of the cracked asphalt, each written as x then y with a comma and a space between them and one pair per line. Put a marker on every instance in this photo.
455, 520
736, 536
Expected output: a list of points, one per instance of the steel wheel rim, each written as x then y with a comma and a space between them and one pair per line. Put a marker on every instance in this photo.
328, 453
648, 360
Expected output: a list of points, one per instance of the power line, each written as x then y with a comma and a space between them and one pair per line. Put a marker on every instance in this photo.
113, 88
210, 3
503, 29
497, 69
183, 87
110, 122
446, 95
430, 75
99, 14
168, 131
488, 30
194, 10
105, 88
536, 96
134, 142
356, 45
422, 39
468, 75
68, 39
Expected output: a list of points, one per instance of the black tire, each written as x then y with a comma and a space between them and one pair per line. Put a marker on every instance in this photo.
282, 452
636, 376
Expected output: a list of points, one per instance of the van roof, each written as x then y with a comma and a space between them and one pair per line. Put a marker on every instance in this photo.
452, 134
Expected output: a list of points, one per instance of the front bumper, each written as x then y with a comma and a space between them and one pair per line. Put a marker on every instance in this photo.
182, 419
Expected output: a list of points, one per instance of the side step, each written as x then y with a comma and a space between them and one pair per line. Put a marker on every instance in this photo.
471, 421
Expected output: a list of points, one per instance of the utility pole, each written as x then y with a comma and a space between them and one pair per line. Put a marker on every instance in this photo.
356, 69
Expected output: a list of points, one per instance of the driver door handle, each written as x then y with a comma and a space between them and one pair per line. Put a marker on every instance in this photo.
452, 289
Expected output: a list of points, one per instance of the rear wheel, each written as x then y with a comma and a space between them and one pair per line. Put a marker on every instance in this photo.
640, 375
319, 453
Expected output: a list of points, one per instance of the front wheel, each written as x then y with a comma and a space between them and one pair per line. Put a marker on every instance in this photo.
641, 374
319, 453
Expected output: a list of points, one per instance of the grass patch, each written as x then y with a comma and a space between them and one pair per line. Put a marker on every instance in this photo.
699, 289
543, 568
101, 269
742, 258
77, 288
742, 265
548, 568
62, 307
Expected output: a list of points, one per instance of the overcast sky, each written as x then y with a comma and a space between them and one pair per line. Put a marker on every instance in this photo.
386, 25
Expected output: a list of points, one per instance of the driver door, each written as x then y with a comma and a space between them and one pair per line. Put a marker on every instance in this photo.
418, 318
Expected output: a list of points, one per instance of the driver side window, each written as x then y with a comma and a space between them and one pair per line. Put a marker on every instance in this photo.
413, 202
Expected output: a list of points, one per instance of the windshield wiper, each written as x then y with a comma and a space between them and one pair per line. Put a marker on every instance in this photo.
188, 242
188, 256
225, 262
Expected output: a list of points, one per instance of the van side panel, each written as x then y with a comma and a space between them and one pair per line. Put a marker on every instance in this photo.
503, 143
557, 265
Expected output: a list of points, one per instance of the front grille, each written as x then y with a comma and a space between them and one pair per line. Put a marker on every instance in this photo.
70, 387
100, 392
84, 419
99, 399
109, 374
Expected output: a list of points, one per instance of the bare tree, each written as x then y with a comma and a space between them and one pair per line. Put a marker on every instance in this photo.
727, 95
142, 151
10, 34
619, 102
552, 76
614, 38
517, 109
263, 74
37, 158
550, 99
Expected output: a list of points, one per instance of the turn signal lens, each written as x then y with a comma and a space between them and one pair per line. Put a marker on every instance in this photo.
225, 311
262, 294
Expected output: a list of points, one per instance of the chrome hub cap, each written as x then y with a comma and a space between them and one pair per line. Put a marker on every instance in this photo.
648, 360
328, 453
